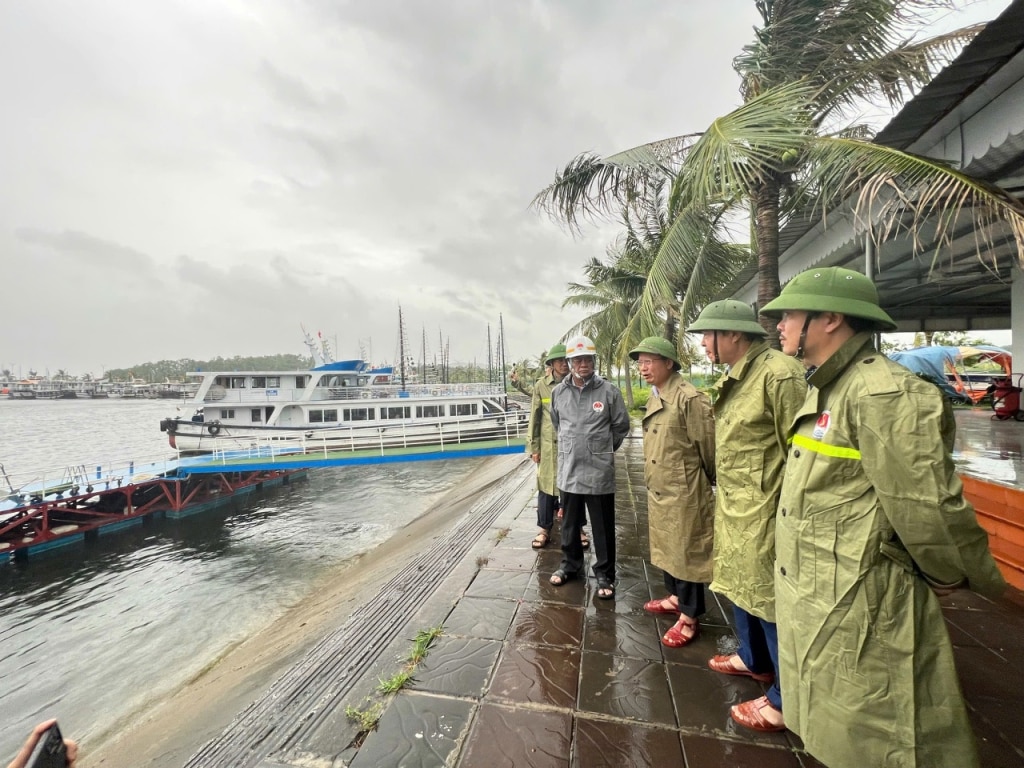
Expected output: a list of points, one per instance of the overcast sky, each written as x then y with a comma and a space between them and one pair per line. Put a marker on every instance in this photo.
193, 178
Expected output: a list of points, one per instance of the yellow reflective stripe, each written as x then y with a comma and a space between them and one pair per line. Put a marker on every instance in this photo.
545, 399
824, 448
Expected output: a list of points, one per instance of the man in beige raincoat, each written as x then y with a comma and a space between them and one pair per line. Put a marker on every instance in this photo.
757, 400
679, 465
872, 523
542, 443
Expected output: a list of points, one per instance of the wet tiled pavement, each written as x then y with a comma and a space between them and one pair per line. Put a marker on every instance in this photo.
527, 674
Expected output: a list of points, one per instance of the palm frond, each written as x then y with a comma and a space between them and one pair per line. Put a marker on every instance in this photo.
896, 192
591, 186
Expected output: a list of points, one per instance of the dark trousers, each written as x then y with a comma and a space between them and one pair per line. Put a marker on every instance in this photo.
759, 649
546, 506
602, 519
689, 593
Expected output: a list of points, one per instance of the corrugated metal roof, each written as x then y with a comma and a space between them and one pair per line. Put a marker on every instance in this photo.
908, 288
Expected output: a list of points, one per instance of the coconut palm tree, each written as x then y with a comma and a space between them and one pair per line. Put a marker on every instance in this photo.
615, 288
790, 147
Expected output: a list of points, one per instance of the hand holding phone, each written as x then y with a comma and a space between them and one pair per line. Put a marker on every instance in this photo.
46, 748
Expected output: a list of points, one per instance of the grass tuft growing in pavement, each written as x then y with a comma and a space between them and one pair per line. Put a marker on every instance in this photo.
367, 716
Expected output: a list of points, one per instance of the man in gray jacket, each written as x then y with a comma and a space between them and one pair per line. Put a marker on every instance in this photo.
591, 421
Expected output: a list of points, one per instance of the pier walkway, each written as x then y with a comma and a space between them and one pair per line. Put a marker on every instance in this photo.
527, 674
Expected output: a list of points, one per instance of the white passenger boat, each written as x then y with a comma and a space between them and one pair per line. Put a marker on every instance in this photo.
339, 406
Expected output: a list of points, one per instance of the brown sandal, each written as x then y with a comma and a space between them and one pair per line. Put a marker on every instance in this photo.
541, 540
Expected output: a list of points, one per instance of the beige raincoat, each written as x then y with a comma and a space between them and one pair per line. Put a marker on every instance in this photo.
757, 401
870, 508
679, 464
541, 435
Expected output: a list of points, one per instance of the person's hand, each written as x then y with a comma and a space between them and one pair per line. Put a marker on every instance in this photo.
21, 759
535, 457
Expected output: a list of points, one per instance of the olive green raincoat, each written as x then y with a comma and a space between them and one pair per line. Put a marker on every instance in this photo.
541, 435
757, 401
679, 464
870, 508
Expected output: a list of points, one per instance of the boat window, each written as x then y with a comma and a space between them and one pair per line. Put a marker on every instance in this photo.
380, 379
227, 413
259, 382
358, 414
364, 380
463, 409
238, 382
300, 382
273, 381
256, 414
429, 411
399, 412
330, 414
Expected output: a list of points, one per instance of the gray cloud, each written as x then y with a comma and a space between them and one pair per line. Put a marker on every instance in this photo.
197, 179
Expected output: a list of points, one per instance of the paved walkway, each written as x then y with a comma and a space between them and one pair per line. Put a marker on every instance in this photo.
527, 674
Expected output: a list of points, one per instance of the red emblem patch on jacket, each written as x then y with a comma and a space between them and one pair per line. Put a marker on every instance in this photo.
822, 424
598, 406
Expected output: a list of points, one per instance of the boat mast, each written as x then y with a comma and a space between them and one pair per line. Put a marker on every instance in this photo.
401, 347
501, 355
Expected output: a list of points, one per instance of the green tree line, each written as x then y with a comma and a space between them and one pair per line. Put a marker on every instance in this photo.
175, 370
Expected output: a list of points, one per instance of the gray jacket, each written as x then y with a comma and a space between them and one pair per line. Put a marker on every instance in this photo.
591, 425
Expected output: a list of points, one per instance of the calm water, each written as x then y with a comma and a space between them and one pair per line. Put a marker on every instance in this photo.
94, 632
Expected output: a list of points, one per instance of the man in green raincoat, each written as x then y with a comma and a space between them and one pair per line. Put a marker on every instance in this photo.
679, 465
757, 401
542, 443
872, 523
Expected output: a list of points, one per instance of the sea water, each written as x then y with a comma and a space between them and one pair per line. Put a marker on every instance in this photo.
97, 631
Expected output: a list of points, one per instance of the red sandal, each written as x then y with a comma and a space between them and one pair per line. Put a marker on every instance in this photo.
724, 665
748, 714
674, 638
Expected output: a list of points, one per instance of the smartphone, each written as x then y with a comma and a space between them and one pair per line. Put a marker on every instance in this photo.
49, 751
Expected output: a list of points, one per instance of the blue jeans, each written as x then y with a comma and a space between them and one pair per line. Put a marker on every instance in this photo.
759, 649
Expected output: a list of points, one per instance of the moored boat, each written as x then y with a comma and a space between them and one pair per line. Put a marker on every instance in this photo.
338, 406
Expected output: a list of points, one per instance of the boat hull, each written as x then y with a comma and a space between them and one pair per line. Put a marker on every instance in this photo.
208, 437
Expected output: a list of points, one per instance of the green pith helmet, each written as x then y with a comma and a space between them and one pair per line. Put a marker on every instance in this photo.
656, 345
557, 352
831, 289
728, 315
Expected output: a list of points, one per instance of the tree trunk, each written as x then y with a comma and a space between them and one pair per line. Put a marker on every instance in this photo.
630, 402
766, 234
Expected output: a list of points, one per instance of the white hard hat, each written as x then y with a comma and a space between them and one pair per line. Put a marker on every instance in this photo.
579, 346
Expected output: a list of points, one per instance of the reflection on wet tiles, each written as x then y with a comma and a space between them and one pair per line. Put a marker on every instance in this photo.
625, 687
993, 738
604, 744
703, 699
548, 625
987, 676
630, 634
511, 560
499, 584
541, 590
415, 731
703, 752
536, 674
481, 617
457, 666
518, 738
